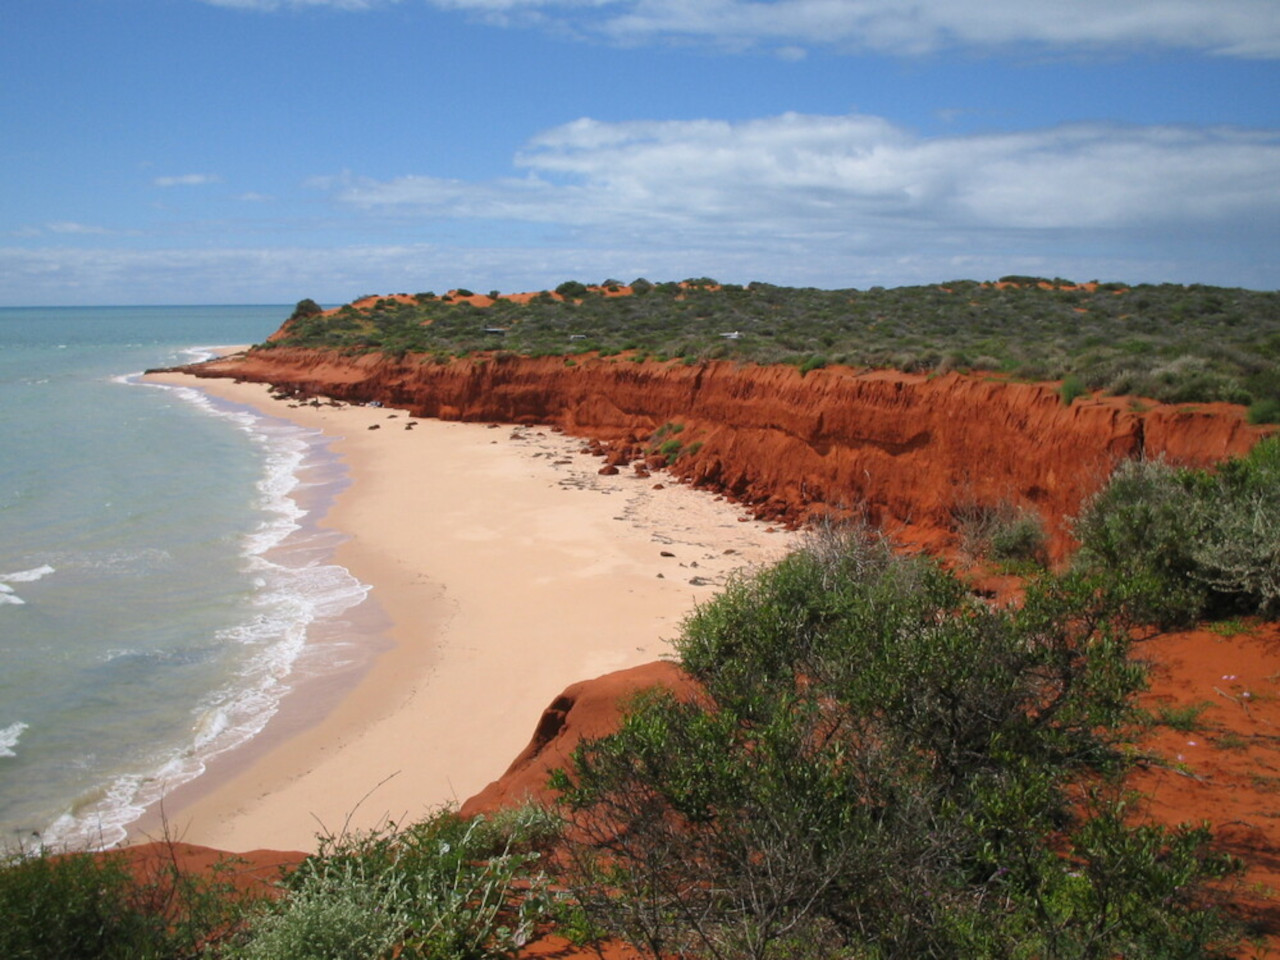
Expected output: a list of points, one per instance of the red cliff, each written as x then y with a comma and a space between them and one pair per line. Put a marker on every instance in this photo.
905, 448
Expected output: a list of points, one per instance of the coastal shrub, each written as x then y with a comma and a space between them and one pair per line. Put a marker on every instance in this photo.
90, 906
1266, 410
445, 888
1138, 530
1072, 388
880, 765
1183, 543
572, 290
1004, 532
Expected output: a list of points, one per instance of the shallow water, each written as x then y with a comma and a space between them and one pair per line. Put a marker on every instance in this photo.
160, 570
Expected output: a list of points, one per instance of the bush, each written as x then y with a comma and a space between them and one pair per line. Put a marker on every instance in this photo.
1265, 411
1005, 533
443, 888
307, 308
572, 290
1071, 388
879, 765
1185, 543
90, 906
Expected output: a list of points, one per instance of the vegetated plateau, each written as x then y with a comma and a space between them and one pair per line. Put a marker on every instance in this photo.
1171, 343
865, 755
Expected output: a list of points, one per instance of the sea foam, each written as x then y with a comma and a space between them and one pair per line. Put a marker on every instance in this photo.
294, 588
9, 737
7, 595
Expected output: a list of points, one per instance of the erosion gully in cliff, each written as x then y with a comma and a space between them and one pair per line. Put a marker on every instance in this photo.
907, 450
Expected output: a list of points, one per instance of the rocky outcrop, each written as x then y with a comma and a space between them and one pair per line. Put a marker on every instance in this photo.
905, 449
587, 710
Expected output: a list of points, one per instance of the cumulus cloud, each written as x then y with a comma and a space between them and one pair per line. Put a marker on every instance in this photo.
808, 176
187, 180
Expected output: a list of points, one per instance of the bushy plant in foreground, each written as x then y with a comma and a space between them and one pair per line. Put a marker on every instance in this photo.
442, 889
98, 907
882, 766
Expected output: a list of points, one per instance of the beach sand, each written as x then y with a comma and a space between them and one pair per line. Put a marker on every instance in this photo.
503, 568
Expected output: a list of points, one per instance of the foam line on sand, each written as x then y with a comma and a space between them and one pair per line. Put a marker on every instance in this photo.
505, 568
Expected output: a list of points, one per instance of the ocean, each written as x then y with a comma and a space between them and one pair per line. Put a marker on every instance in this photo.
163, 583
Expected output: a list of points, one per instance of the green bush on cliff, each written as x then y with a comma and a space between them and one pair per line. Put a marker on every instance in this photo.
1182, 543
444, 888
97, 907
882, 766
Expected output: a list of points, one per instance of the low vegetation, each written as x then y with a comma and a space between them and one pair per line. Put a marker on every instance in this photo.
879, 764
1172, 343
883, 766
1189, 543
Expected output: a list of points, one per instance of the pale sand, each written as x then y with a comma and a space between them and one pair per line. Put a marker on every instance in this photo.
506, 574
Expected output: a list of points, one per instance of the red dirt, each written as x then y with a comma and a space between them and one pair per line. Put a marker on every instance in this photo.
588, 709
907, 448
911, 448
1225, 770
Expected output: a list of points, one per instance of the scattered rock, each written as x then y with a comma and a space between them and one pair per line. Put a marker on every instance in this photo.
658, 486
376, 426
700, 581
666, 553
608, 470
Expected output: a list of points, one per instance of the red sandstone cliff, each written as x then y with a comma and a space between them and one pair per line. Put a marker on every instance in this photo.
906, 448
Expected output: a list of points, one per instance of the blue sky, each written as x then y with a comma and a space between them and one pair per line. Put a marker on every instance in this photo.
235, 151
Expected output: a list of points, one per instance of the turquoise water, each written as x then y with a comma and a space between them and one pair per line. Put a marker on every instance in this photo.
161, 579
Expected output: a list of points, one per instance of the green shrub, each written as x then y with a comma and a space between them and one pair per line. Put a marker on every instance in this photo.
815, 362
1266, 410
444, 888
1004, 532
880, 765
1183, 543
90, 906
1072, 387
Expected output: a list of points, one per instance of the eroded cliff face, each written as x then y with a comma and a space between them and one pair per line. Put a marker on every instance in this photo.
907, 449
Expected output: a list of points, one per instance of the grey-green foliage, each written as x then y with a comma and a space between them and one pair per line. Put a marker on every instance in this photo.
881, 766
441, 889
1185, 542
334, 914
1004, 532
1168, 342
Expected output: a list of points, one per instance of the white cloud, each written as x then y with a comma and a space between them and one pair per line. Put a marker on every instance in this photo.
1237, 28
187, 180
806, 176
70, 227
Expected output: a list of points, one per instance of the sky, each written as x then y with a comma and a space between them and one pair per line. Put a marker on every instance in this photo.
263, 151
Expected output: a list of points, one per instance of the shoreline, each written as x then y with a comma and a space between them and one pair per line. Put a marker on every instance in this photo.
503, 568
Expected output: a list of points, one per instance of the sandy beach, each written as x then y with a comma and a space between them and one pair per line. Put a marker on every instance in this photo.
503, 568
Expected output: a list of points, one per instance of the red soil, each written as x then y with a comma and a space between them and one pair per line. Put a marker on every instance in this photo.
907, 448
911, 448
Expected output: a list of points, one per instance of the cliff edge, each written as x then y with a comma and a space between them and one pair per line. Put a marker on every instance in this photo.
908, 449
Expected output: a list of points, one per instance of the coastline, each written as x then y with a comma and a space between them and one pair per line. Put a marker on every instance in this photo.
503, 568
